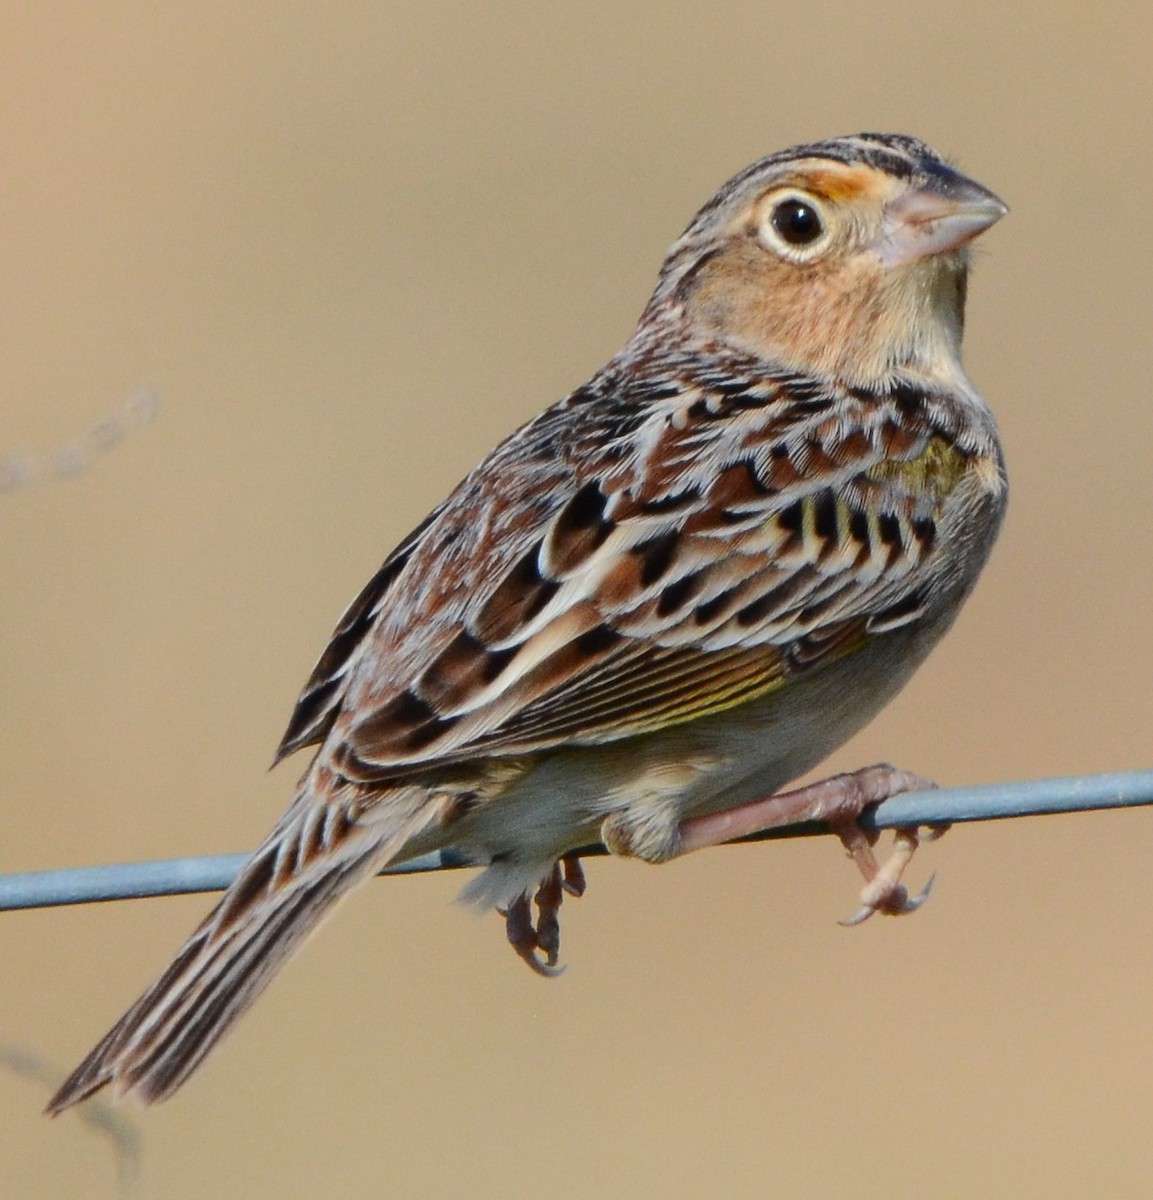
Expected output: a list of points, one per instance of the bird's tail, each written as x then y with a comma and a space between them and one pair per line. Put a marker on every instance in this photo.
319, 851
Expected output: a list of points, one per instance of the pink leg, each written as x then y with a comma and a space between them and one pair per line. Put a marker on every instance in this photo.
837, 801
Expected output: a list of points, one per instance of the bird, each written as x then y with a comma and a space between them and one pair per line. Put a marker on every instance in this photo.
656, 604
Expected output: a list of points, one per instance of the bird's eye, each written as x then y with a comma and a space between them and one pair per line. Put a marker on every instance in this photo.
794, 224
798, 223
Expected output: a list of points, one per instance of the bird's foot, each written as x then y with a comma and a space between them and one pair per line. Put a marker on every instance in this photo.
838, 802
526, 936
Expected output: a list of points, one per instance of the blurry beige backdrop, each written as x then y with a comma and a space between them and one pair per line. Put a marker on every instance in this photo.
353, 245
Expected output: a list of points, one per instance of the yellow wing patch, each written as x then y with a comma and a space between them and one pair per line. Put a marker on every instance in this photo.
936, 470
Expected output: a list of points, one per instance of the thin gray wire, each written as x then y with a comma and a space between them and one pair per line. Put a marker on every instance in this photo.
181, 876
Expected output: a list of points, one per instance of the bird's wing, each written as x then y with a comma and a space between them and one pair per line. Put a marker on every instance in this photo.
715, 540
320, 698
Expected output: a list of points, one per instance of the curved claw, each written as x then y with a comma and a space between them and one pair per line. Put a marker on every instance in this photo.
912, 903
859, 917
897, 904
541, 968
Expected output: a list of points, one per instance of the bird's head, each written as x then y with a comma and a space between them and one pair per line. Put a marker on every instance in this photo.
845, 258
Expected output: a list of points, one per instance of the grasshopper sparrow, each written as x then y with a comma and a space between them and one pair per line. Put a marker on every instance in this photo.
652, 606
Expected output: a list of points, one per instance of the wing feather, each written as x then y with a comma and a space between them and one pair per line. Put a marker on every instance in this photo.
726, 540
320, 698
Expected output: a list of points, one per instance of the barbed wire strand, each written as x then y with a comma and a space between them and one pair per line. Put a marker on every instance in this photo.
182, 876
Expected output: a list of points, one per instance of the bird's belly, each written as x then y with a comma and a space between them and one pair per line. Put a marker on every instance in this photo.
706, 765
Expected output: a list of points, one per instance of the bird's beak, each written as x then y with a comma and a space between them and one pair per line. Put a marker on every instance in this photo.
942, 215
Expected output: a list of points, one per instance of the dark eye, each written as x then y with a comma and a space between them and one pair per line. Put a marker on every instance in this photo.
798, 223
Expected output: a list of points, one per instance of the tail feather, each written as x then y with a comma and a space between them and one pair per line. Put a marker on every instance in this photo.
312, 859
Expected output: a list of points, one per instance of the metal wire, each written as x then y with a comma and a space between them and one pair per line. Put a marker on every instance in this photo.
180, 876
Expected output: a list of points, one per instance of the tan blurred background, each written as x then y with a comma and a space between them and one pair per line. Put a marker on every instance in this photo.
352, 246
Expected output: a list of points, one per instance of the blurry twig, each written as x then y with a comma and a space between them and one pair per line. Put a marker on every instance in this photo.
97, 1114
19, 468
946, 806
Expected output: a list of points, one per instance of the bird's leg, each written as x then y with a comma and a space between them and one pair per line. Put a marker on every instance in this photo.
838, 802
527, 936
